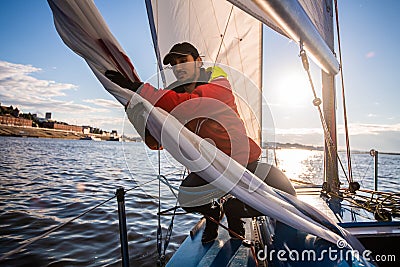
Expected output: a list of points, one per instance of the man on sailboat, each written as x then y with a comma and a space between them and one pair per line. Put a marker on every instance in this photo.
203, 100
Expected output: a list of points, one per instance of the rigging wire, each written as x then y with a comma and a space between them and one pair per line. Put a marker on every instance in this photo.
171, 225
366, 171
32, 240
161, 256
350, 172
353, 186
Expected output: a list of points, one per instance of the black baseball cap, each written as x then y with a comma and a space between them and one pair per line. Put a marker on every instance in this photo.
181, 49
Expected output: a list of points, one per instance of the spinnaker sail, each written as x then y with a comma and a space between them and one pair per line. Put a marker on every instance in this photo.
82, 28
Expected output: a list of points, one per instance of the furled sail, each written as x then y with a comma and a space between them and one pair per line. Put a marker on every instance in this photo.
82, 28
223, 34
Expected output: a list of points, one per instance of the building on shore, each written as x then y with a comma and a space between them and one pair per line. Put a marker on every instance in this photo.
10, 120
62, 126
86, 129
13, 117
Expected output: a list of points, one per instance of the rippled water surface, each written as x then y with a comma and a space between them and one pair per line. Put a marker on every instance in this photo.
46, 182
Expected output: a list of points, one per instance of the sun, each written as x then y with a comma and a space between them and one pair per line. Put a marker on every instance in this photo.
293, 90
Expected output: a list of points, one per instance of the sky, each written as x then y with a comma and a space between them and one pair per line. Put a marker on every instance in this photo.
39, 74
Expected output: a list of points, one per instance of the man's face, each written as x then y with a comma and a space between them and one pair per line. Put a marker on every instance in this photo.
185, 69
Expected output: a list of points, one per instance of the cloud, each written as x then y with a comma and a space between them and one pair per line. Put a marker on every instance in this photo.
306, 136
21, 89
100, 121
372, 129
103, 103
354, 129
8, 70
370, 54
362, 135
29, 94
299, 131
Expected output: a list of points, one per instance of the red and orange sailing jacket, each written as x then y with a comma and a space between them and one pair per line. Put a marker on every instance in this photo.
209, 111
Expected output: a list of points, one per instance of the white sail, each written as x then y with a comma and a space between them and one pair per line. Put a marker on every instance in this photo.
223, 34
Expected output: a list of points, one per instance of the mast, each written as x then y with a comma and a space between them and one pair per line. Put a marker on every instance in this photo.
313, 29
295, 22
329, 111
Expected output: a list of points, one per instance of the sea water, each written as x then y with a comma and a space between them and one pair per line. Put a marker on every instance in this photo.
46, 182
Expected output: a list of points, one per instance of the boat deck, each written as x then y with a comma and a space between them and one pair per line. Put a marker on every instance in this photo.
373, 234
344, 210
312, 195
224, 251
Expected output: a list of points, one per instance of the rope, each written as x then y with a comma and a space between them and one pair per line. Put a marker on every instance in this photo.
343, 97
275, 157
377, 203
317, 102
169, 230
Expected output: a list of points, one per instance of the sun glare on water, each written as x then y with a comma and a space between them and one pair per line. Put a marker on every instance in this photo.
299, 164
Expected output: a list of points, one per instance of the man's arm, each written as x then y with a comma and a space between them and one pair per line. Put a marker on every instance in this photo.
201, 98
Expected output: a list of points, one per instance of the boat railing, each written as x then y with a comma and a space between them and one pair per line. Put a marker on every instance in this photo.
375, 154
120, 193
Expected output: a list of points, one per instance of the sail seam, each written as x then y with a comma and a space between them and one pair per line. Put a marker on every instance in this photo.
239, 39
201, 31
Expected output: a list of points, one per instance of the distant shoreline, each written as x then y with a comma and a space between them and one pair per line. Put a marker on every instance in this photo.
33, 132
291, 146
319, 148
